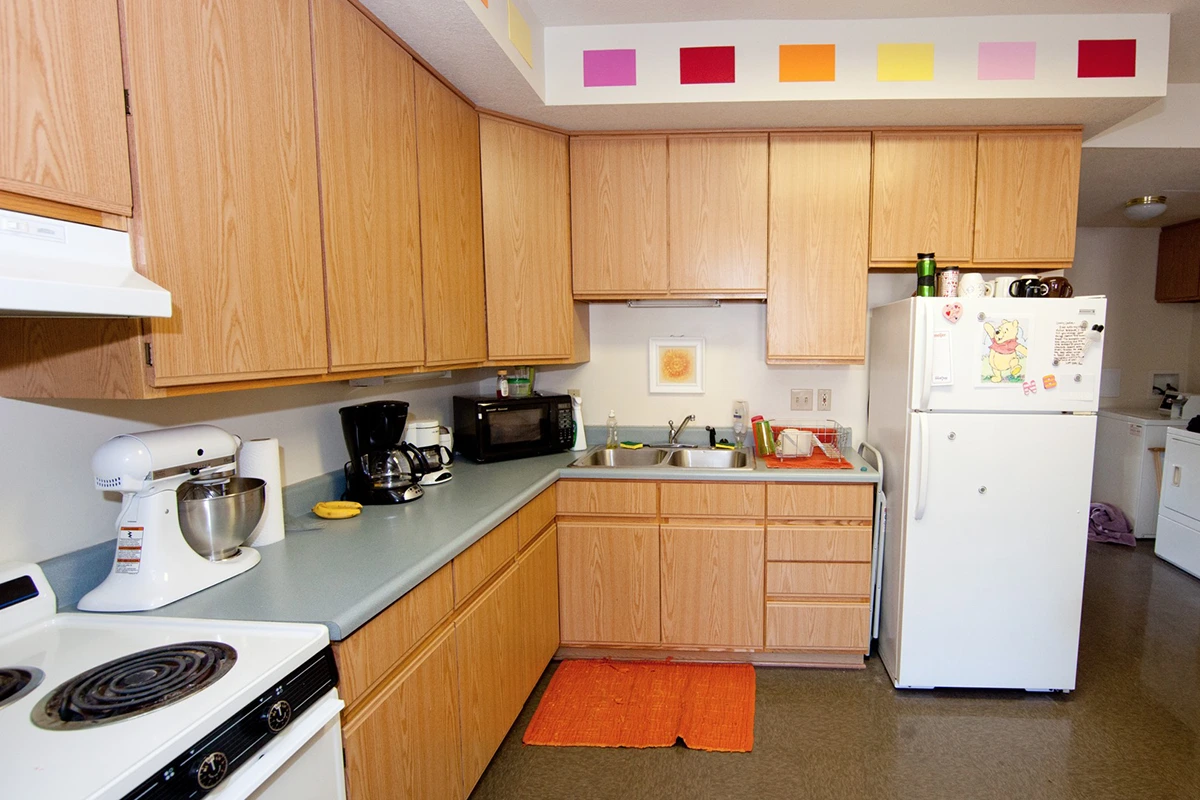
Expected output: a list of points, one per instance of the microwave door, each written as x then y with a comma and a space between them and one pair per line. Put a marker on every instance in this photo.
514, 430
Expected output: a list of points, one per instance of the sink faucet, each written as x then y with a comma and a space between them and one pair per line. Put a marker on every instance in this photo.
674, 437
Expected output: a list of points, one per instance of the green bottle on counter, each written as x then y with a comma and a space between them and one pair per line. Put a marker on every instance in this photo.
926, 275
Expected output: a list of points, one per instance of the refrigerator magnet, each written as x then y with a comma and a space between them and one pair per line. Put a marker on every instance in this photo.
952, 312
1049, 381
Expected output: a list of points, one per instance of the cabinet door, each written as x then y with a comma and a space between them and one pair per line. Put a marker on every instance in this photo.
712, 586
537, 571
817, 292
227, 186
1027, 196
491, 641
526, 241
451, 225
368, 157
405, 742
1178, 263
619, 216
62, 103
718, 217
923, 196
608, 583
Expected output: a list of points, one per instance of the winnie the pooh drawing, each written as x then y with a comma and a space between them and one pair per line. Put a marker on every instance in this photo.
1005, 357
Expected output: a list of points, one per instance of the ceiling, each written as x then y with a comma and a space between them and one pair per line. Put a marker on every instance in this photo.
449, 36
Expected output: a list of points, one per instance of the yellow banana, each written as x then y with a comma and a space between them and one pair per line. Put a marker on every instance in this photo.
337, 509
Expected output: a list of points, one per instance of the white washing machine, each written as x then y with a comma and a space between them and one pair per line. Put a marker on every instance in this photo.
1179, 513
1124, 474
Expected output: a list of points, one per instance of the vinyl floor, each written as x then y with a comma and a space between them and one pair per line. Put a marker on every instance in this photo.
1130, 730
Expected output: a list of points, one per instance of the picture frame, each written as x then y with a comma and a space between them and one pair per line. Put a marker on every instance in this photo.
676, 365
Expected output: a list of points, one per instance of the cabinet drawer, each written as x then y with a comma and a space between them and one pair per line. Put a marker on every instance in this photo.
375, 648
820, 501
818, 626
535, 515
608, 498
814, 543
735, 500
483, 559
808, 579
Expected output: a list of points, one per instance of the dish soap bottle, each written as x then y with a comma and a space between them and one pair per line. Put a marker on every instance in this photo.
614, 441
501, 384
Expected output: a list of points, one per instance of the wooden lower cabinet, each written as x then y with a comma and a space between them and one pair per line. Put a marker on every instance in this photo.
608, 582
712, 586
819, 626
537, 572
405, 741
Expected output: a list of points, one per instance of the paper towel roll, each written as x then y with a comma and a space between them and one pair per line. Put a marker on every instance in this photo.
259, 458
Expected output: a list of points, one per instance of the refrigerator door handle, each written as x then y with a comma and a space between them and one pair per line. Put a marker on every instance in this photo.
926, 349
923, 466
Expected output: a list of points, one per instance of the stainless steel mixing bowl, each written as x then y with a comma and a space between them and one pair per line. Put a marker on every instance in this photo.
217, 518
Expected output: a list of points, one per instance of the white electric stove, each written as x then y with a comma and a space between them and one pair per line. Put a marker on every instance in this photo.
227, 710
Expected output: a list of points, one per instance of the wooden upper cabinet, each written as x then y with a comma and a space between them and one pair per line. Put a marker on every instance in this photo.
62, 105
817, 295
227, 174
451, 225
368, 158
718, 215
1027, 196
1178, 277
526, 241
923, 196
619, 216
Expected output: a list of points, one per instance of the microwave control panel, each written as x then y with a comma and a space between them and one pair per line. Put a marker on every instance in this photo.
565, 426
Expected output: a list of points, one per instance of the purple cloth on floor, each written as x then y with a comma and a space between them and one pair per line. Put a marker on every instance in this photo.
1108, 524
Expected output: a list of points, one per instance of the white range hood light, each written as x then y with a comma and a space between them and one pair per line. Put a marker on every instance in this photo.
51, 268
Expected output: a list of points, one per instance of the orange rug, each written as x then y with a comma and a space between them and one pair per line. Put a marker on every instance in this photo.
609, 703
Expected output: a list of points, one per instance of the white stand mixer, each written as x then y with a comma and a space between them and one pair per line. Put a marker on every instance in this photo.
154, 564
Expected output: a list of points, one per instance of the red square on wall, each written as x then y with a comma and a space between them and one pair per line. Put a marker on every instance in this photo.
706, 65
1107, 58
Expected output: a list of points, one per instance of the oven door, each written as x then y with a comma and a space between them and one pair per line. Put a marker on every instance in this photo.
304, 762
511, 431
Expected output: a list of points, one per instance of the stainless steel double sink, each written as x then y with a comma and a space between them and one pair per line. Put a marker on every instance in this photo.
668, 458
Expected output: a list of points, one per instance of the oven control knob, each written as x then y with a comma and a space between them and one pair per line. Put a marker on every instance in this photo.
278, 715
212, 770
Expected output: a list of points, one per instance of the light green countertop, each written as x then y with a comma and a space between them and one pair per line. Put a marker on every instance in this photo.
343, 572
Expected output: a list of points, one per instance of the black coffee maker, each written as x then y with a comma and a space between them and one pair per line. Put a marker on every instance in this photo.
382, 469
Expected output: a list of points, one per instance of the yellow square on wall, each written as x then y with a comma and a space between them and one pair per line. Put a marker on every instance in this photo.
807, 62
519, 35
905, 62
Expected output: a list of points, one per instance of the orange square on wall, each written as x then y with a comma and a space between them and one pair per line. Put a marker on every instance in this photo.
806, 62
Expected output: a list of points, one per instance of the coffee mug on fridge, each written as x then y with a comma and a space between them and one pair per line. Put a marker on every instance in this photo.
971, 285
947, 282
998, 287
1026, 286
1056, 286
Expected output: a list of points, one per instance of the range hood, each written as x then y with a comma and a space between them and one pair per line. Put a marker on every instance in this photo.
51, 268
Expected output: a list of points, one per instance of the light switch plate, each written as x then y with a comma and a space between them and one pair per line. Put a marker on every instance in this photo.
802, 400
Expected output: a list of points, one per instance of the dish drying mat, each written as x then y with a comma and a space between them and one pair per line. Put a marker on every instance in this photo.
832, 438
606, 703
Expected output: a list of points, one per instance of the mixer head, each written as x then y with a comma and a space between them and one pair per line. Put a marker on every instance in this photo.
164, 458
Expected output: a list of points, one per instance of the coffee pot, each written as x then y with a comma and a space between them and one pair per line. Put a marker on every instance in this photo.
382, 469
426, 436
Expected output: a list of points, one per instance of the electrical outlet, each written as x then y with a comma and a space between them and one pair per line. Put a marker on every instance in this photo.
824, 399
802, 400
573, 392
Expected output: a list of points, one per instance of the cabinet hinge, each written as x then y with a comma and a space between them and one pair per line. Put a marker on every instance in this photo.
127, 111
149, 356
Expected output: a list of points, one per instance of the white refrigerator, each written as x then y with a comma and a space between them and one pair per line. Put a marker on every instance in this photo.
988, 407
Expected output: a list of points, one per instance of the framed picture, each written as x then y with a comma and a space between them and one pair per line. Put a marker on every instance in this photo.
677, 366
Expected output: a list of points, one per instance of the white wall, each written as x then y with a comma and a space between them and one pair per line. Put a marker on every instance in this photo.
735, 366
1141, 336
50, 507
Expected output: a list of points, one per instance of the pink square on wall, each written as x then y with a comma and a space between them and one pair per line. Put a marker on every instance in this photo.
706, 65
610, 68
1007, 61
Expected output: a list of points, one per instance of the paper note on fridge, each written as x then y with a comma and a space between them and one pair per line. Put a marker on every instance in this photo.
943, 360
1070, 343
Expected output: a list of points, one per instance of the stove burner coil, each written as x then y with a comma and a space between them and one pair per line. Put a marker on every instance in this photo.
134, 684
16, 682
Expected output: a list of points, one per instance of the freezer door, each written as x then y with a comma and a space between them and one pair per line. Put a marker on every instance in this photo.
1007, 354
994, 547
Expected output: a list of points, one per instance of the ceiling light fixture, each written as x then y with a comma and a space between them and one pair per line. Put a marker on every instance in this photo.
1141, 209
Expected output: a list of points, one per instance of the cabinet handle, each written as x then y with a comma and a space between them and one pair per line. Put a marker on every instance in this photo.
1177, 475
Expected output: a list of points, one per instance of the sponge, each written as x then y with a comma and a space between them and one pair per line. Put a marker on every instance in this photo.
632, 445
